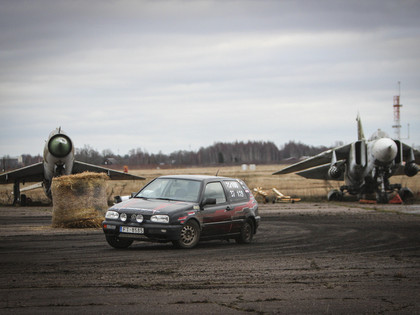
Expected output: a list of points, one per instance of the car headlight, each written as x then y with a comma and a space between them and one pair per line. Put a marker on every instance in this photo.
112, 215
123, 217
160, 218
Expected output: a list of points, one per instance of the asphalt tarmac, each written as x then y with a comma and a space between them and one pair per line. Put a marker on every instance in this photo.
306, 258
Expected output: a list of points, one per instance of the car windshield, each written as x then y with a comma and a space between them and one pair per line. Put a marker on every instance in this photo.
172, 189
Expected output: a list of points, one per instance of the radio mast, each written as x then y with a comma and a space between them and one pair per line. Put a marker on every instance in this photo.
397, 106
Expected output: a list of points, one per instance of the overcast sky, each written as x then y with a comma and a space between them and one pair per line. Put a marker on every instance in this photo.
180, 75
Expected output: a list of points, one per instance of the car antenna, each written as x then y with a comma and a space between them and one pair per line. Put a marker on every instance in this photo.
217, 173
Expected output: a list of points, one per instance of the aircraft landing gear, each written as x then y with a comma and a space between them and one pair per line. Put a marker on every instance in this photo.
335, 195
16, 192
382, 197
19, 198
406, 195
383, 186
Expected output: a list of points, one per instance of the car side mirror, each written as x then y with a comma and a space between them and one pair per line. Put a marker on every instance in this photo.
208, 201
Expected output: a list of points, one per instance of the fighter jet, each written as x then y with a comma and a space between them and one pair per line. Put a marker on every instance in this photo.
58, 160
364, 165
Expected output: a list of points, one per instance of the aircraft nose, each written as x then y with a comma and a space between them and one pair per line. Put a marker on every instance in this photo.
59, 146
385, 150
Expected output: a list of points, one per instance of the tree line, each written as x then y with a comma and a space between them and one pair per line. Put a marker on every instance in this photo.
251, 152
239, 152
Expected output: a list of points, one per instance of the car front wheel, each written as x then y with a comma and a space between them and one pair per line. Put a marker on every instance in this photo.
247, 232
117, 242
189, 235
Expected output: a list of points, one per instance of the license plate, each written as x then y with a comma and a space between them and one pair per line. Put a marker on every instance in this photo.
131, 229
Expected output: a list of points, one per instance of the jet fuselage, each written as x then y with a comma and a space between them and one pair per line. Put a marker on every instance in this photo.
364, 165
370, 164
58, 157
58, 160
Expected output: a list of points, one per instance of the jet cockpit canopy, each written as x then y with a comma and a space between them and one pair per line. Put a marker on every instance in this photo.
379, 134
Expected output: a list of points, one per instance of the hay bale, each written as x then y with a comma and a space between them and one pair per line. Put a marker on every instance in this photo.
79, 200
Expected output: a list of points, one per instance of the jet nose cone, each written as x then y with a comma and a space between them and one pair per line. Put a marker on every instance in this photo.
59, 146
385, 150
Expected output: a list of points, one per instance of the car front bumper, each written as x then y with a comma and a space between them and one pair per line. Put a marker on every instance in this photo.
152, 231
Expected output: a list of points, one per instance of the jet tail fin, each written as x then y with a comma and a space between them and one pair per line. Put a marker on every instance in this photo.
360, 133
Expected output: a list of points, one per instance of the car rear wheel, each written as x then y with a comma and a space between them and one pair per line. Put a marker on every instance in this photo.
117, 242
189, 235
247, 233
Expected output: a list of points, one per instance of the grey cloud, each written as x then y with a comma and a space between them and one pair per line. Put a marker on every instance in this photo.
170, 64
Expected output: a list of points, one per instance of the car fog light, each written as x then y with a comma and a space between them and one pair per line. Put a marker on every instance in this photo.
139, 218
123, 217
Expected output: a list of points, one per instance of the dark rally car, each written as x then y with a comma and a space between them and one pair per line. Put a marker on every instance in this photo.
183, 210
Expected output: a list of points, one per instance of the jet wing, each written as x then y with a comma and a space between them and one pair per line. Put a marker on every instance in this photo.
31, 173
79, 167
317, 160
320, 172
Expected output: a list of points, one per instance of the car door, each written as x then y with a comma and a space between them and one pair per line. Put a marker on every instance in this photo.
217, 218
238, 200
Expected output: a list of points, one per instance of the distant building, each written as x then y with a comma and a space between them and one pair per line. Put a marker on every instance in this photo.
8, 163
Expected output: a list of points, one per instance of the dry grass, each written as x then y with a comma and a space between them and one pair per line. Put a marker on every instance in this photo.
290, 184
79, 200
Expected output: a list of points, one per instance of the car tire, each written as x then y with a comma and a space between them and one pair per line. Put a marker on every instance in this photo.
247, 233
189, 235
117, 242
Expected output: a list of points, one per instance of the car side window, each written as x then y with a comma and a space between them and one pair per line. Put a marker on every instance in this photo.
215, 190
235, 190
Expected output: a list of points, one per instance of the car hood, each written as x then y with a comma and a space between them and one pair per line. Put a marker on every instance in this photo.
153, 206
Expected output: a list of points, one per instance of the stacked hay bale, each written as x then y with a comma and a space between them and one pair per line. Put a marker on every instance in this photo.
79, 200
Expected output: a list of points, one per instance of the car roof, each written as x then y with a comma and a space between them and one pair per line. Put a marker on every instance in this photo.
196, 177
